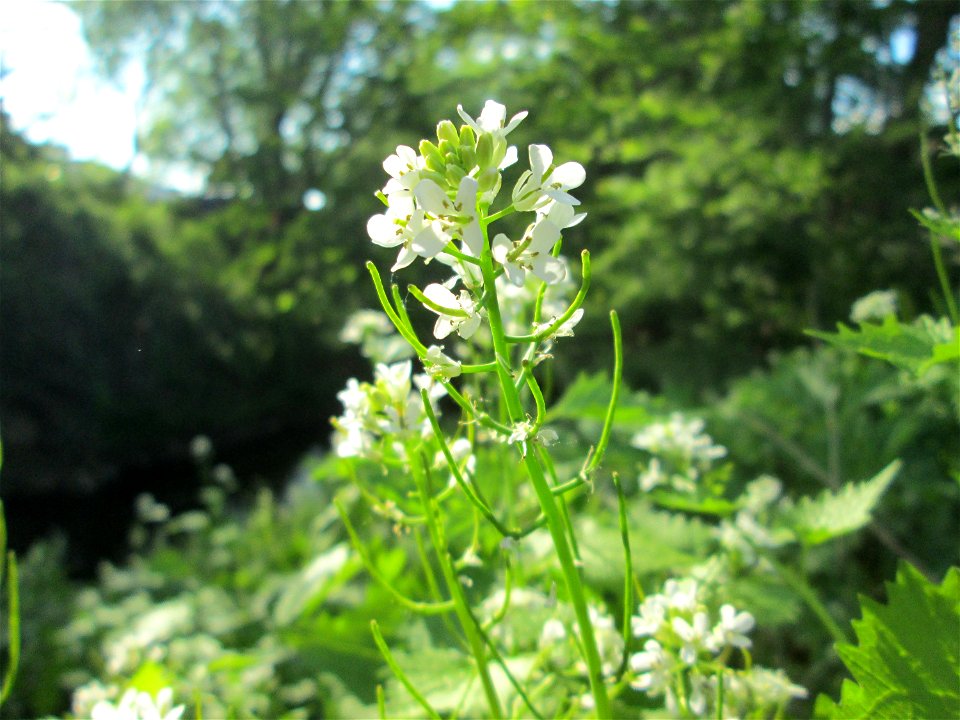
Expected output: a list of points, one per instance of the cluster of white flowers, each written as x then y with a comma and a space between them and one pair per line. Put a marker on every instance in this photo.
750, 527
685, 648
874, 306
556, 641
682, 453
390, 408
434, 200
137, 705
376, 336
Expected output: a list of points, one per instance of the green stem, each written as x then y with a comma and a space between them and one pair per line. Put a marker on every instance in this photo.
806, 593
421, 476
545, 497
934, 245
401, 675
422, 608
627, 570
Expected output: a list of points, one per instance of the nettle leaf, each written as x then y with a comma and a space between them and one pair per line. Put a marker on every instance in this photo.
915, 347
905, 665
832, 514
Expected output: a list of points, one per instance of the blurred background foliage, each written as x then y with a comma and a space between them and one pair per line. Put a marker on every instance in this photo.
750, 169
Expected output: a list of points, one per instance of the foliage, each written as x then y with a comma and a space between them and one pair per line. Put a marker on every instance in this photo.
904, 664
916, 347
590, 556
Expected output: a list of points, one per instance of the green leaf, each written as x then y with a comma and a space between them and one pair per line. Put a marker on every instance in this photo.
587, 399
938, 224
312, 585
905, 665
832, 514
915, 347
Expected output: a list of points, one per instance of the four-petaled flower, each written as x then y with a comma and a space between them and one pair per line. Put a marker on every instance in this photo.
456, 312
545, 183
415, 234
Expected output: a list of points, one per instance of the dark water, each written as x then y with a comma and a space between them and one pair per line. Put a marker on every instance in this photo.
96, 525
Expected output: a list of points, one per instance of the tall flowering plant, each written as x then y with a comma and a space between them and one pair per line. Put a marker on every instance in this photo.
501, 301
497, 309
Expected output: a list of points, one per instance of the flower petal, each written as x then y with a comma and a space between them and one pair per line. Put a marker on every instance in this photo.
432, 198
384, 231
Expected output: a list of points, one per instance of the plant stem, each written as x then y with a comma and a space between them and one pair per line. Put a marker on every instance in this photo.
545, 497
421, 475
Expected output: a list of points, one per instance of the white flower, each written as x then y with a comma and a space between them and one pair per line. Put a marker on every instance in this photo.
394, 380
136, 705
679, 438
654, 668
456, 313
681, 594
652, 617
732, 629
566, 327
492, 118
553, 632
363, 322
524, 432
533, 251
439, 364
460, 214
694, 636
416, 235
404, 167
772, 686
544, 183
874, 306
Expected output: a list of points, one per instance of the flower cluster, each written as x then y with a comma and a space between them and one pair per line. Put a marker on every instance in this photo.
874, 306
376, 336
387, 409
682, 453
685, 649
437, 200
751, 526
137, 705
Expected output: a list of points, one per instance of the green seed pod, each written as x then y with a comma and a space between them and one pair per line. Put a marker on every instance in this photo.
485, 150
446, 130
431, 155
466, 136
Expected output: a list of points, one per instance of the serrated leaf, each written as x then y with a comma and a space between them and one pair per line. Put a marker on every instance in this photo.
915, 347
833, 514
905, 665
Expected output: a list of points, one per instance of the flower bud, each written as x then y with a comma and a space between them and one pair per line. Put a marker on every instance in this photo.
485, 150
447, 147
431, 155
468, 156
488, 179
467, 136
455, 174
446, 130
499, 151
